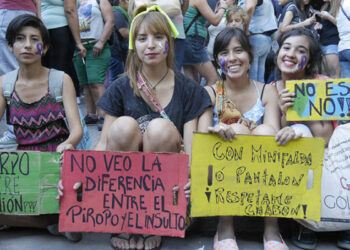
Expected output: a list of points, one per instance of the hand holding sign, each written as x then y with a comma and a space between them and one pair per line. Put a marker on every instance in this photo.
252, 176
225, 131
318, 99
286, 100
124, 192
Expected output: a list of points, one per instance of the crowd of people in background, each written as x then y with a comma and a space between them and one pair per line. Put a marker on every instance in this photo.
217, 66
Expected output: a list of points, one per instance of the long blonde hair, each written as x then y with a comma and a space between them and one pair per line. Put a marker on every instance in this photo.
334, 7
158, 23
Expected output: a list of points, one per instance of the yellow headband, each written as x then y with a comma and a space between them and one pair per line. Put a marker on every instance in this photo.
149, 9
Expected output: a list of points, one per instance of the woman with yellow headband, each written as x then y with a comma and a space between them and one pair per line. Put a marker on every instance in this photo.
152, 108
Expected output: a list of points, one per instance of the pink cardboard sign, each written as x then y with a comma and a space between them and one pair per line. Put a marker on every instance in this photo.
124, 192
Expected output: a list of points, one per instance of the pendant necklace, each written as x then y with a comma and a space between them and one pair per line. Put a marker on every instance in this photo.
153, 87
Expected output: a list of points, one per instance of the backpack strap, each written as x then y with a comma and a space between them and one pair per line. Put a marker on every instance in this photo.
56, 84
8, 84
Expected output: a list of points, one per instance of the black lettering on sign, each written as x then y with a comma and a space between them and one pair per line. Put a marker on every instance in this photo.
345, 87
329, 88
313, 107
89, 161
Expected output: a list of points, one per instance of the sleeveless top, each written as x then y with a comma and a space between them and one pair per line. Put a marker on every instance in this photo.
53, 14
263, 19
227, 112
38, 126
198, 27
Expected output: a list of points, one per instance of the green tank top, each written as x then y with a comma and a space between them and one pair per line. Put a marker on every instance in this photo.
198, 27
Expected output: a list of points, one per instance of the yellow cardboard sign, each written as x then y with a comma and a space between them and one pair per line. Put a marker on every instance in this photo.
319, 99
253, 176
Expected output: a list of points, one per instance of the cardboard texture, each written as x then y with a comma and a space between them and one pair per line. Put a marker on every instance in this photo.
319, 99
124, 192
28, 182
253, 176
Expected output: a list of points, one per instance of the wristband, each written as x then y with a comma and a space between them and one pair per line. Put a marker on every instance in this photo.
222, 8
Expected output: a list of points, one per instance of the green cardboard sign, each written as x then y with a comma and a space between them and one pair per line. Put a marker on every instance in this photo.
28, 182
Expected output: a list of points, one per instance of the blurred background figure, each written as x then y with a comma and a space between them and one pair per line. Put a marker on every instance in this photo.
61, 20
119, 48
96, 22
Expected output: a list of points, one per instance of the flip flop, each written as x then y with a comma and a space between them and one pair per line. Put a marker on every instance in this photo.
121, 237
150, 236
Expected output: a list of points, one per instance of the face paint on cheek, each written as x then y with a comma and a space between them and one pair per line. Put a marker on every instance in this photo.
160, 46
39, 47
222, 62
166, 49
303, 62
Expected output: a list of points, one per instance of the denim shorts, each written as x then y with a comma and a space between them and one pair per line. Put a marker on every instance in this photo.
330, 49
195, 52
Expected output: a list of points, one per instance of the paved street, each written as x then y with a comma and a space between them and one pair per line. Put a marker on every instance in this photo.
200, 237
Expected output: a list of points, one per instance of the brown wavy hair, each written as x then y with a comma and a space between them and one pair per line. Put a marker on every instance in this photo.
156, 23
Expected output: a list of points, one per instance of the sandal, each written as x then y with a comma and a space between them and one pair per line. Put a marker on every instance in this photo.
122, 236
225, 244
147, 237
275, 245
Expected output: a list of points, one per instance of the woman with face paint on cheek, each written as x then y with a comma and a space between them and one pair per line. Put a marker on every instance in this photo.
134, 121
241, 106
298, 58
33, 110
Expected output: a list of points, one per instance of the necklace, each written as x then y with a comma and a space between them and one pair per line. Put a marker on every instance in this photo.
153, 87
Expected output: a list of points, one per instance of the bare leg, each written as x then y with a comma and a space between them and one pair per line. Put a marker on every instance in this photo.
191, 72
97, 91
271, 229
160, 136
240, 129
90, 106
264, 129
225, 228
332, 65
208, 71
124, 135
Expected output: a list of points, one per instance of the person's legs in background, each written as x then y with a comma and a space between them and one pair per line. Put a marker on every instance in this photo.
331, 61
116, 67
179, 52
344, 60
196, 60
92, 74
261, 46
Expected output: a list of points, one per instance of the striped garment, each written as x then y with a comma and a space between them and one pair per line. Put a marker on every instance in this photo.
38, 126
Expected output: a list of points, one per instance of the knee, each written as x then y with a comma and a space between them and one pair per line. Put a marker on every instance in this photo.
302, 129
124, 135
240, 129
264, 129
161, 136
